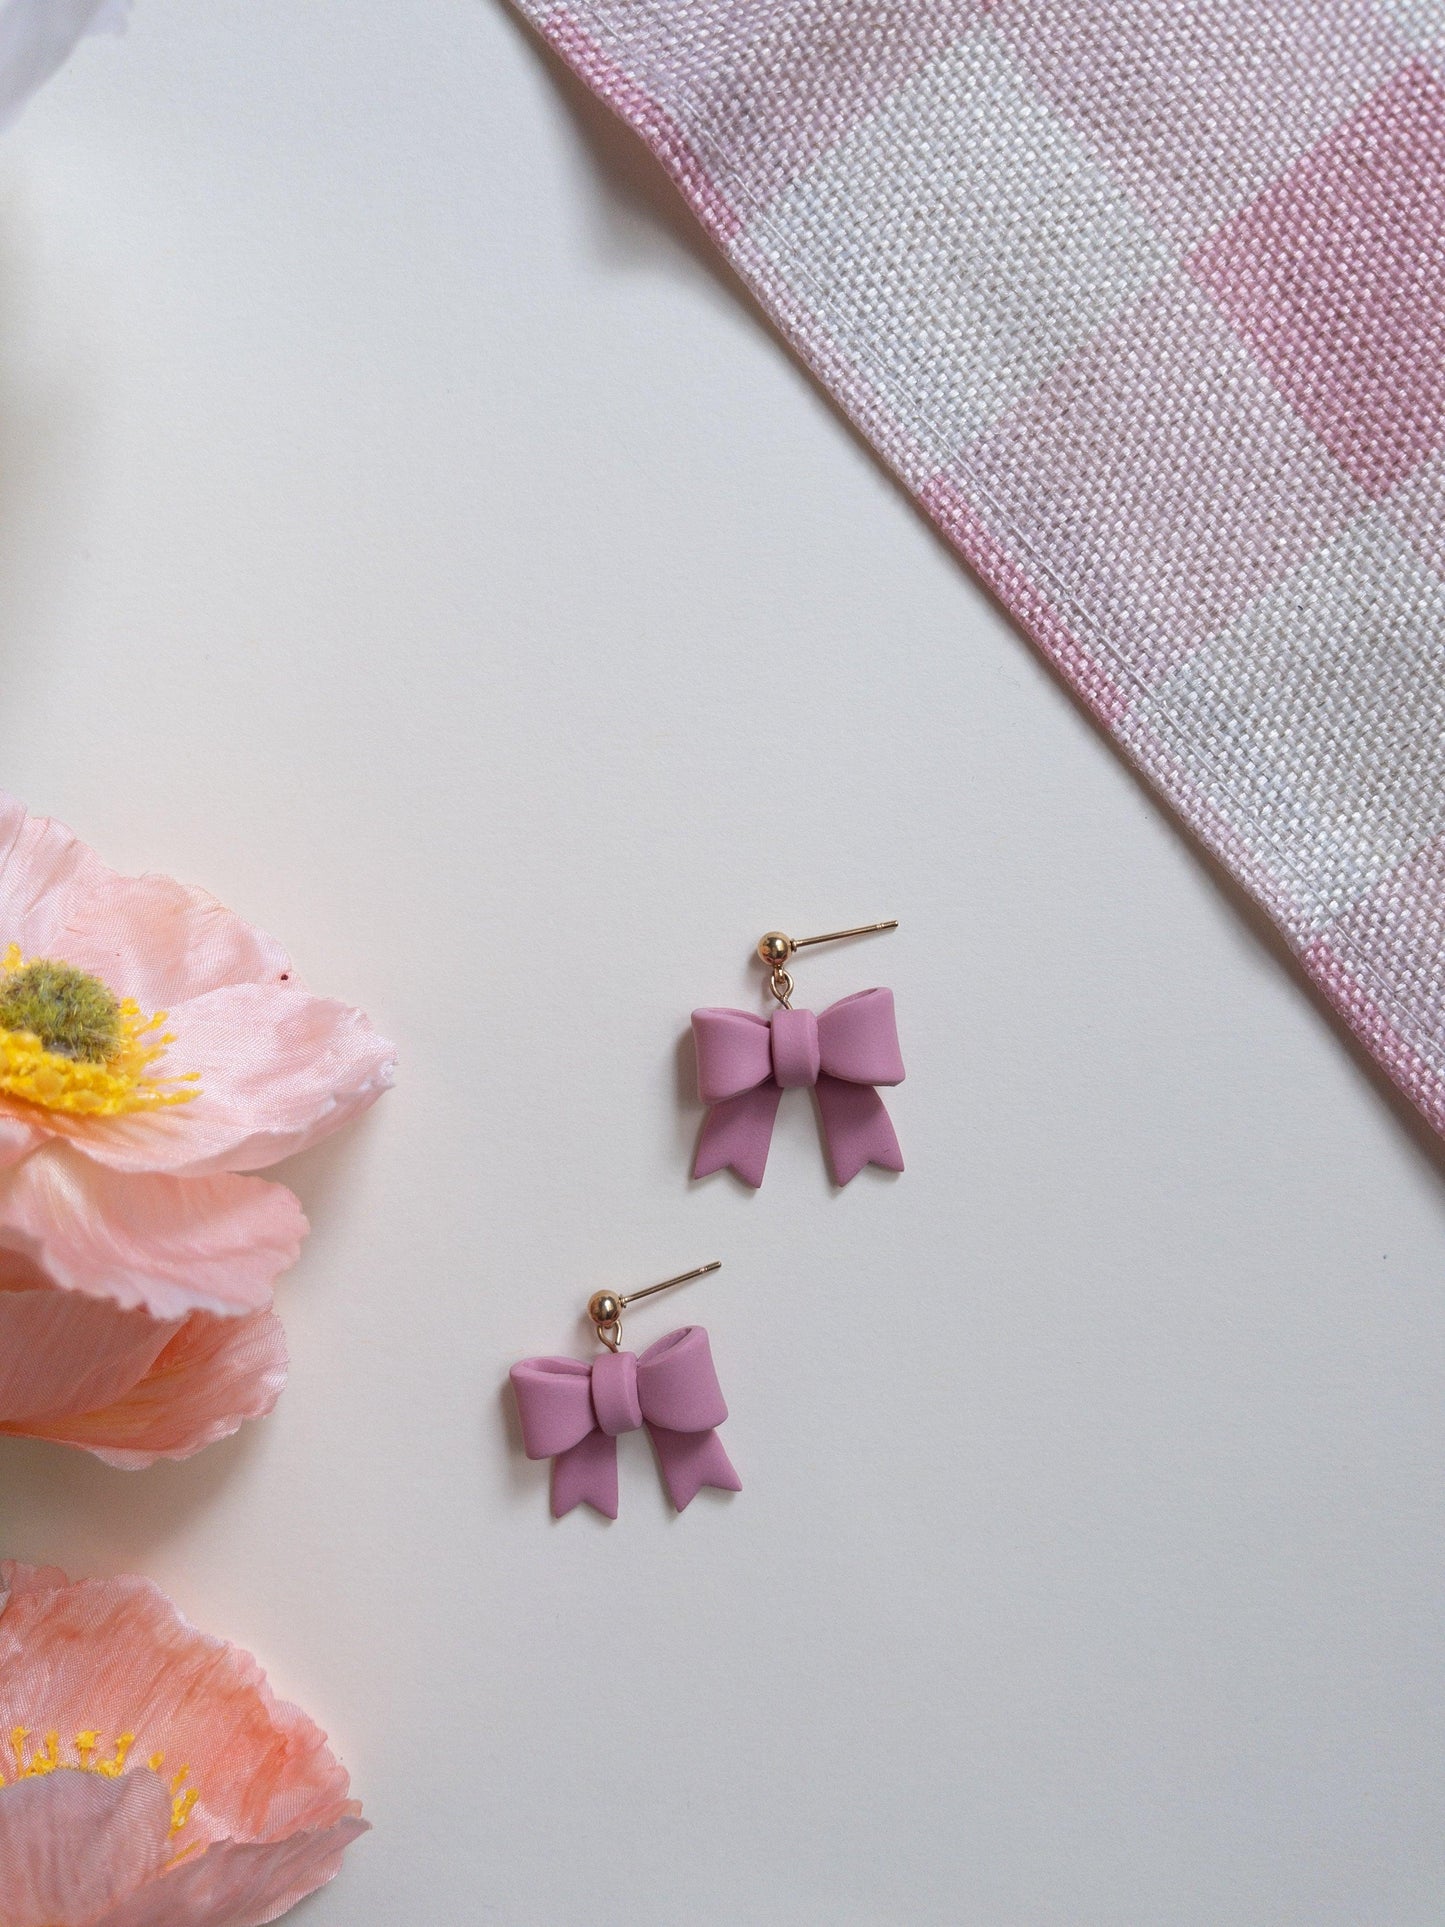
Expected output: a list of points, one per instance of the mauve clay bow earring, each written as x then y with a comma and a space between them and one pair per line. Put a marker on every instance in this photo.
745, 1063
573, 1412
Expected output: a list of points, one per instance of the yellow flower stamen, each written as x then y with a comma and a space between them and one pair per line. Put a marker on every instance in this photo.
50, 1758
181, 1807
122, 1044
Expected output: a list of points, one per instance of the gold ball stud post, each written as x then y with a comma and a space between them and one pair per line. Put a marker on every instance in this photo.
604, 1308
775, 949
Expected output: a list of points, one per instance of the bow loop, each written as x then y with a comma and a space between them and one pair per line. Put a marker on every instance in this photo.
677, 1383
858, 1039
554, 1403
733, 1053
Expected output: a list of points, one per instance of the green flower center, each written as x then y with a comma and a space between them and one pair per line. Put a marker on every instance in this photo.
71, 1012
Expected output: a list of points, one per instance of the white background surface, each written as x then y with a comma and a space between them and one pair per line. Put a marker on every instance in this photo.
406, 531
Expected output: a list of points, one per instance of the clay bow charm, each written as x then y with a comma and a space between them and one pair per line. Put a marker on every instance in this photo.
745, 1063
573, 1413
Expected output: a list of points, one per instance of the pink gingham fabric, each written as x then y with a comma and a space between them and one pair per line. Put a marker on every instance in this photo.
1144, 300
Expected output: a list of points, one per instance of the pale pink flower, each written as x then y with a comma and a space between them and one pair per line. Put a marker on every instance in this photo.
135, 1311
152, 1047
150, 1777
209, 1055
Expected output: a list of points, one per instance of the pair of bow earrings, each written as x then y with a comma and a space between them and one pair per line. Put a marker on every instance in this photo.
574, 1411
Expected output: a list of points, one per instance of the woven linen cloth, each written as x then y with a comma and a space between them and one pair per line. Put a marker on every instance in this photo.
1144, 301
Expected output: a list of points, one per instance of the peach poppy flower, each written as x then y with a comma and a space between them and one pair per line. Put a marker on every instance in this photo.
150, 1777
135, 1315
152, 1029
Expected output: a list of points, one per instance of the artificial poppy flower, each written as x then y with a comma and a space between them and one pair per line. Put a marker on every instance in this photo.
148, 1775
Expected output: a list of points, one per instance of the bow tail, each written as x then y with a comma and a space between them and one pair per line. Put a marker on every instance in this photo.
857, 1128
586, 1474
690, 1460
737, 1133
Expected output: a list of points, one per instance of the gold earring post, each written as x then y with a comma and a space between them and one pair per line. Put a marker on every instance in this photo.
859, 930
605, 1308
682, 1278
777, 946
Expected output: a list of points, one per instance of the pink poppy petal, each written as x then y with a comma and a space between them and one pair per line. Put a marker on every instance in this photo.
45, 871
239, 1884
163, 942
20, 1134
61, 1352
114, 1654
212, 1376
74, 1845
15, 1577
148, 937
279, 1069
172, 1245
